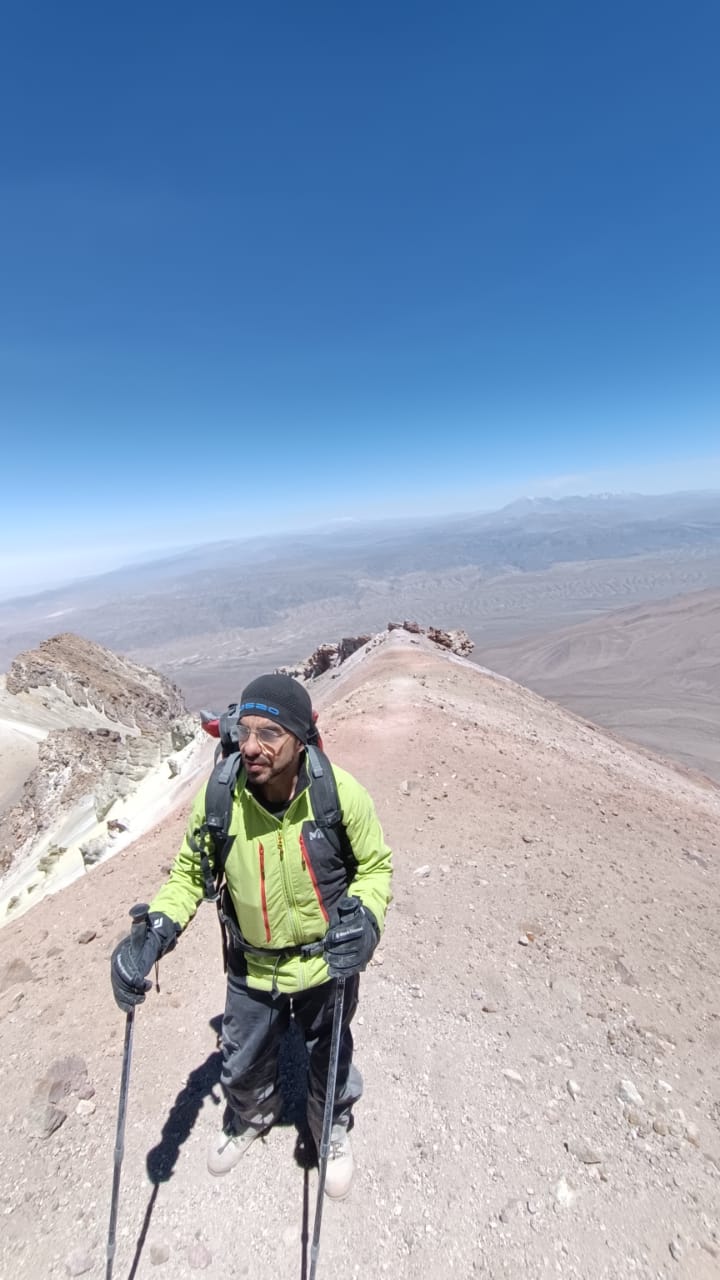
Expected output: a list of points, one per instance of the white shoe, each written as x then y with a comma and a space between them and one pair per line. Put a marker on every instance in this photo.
229, 1146
340, 1164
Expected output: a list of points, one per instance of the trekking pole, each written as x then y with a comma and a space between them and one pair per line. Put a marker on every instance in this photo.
327, 1120
138, 929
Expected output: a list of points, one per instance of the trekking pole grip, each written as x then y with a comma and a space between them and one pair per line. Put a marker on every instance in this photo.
139, 927
348, 907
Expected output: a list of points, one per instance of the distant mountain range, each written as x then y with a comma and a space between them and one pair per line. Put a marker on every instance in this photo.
211, 613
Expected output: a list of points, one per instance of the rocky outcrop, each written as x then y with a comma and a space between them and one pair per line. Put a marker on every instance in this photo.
330, 655
326, 656
456, 641
123, 720
68, 669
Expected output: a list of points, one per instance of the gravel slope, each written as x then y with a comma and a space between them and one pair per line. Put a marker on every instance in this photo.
538, 1032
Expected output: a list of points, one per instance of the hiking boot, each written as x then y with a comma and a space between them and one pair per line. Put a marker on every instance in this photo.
340, 1164
229, 1146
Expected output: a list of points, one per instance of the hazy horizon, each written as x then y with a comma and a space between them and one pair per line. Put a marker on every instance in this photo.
15, 583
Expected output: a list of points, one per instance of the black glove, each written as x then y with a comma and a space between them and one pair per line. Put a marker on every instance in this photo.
134, 957
349, 944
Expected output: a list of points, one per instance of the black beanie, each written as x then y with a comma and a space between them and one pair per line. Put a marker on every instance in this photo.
282, 699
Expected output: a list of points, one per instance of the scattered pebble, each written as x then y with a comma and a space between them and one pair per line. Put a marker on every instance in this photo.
627, 1092
159, 1253
78, 1262
199, 1257
510, 1211
565, 1194
87, 936
692, 1134
513, 1076
582, 1151
573, 1088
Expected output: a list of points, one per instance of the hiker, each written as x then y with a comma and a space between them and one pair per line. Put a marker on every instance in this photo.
286, 885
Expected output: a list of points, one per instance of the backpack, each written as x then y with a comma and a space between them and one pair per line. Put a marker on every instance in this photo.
219, 793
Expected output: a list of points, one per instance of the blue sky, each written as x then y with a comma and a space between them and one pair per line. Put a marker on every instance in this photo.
263, 265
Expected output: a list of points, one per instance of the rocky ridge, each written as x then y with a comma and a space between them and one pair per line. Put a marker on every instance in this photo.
333, 654
538, 1030
104, 726
67, 669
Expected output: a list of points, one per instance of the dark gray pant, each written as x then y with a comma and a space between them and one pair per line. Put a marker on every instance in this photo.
252, 1028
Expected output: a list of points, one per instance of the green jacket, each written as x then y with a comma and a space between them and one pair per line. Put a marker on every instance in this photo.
285, 878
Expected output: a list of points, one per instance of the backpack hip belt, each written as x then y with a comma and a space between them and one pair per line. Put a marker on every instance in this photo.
229, 923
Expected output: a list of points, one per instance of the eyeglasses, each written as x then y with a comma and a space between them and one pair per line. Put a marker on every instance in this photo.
270, 735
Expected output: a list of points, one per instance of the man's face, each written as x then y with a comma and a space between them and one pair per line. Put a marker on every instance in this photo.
270, 753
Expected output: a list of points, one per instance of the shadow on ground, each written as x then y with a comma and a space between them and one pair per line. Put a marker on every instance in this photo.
204, 1082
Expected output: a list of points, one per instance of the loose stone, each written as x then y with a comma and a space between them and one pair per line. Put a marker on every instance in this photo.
582, 1151
692, 1133
199, 1257
565, 1194
511, 1209
627, 1092
78, 1262
44, 1118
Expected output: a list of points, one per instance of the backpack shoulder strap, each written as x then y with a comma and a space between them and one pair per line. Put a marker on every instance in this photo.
212, 841
326, 805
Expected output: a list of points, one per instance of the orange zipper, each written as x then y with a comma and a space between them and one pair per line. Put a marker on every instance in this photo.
261, 855
308, 866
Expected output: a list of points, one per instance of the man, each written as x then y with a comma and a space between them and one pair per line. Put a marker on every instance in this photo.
285, 883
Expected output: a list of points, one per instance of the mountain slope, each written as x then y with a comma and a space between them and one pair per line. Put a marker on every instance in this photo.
538, 1031
87, 740
651, 672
